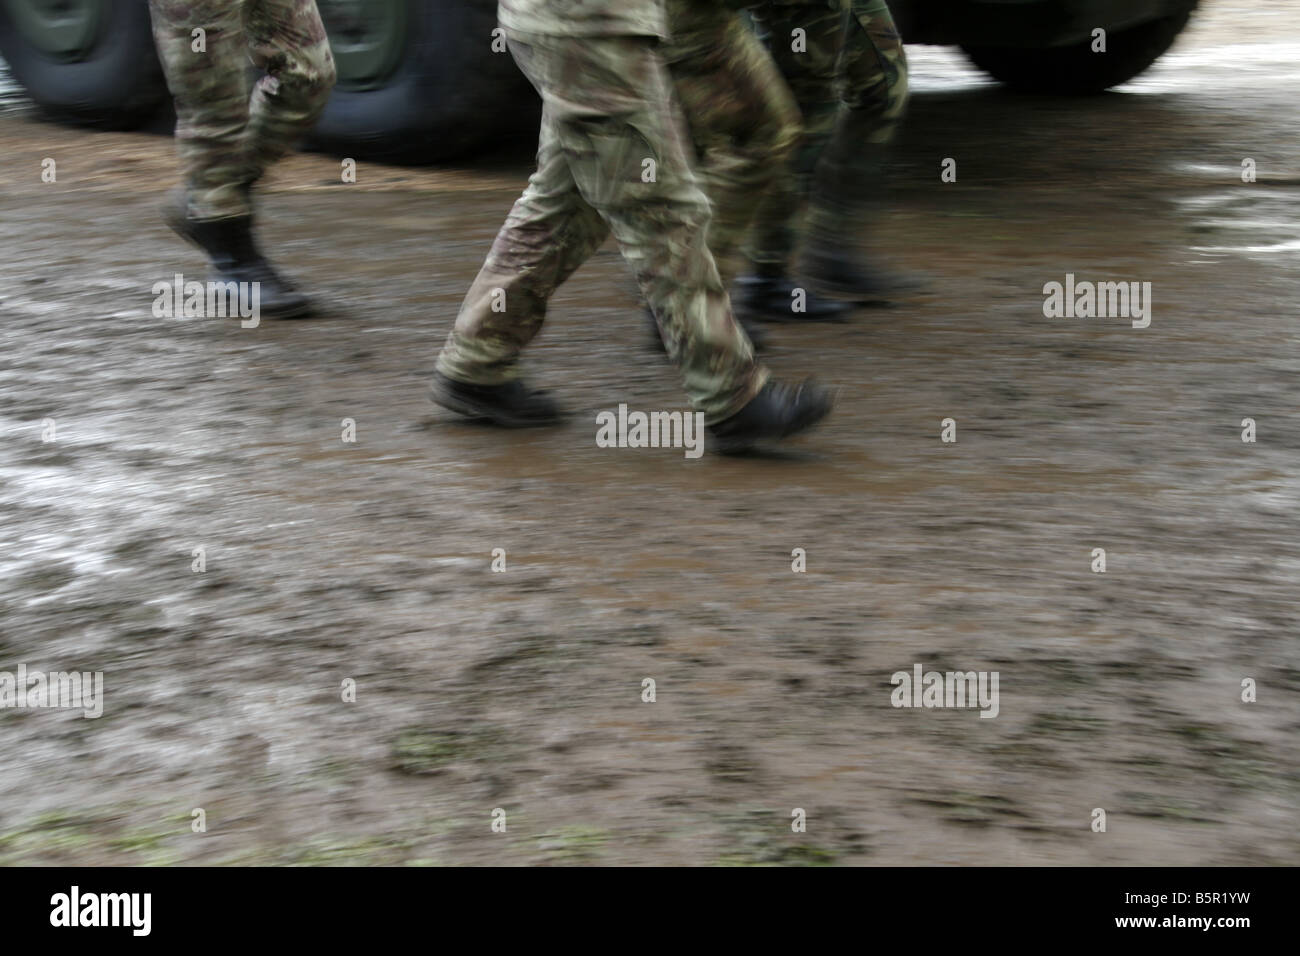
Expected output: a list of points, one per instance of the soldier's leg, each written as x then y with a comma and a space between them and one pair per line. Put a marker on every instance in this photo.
287, 41
609, 106
742, 118
873, 68
805, 38
204, 47
209, 84
550, 231
662, 225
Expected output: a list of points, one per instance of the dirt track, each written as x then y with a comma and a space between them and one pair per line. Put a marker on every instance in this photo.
521, 690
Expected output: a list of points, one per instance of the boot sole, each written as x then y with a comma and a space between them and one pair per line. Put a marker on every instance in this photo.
786, 317
304, 311
178, 222
478, 411
859, 296
856, 296
739, 444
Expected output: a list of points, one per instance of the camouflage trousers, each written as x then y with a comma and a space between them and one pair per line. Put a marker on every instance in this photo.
226, 138
845, 64
612, 158
742, 118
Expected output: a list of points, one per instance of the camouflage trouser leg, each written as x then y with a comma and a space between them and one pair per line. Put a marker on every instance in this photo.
612, 157
873, 68
225, 141
741, 116
805, 38
845, 65
873, 76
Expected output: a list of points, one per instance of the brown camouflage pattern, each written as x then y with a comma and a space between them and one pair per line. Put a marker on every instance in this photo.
226, 138
607, 108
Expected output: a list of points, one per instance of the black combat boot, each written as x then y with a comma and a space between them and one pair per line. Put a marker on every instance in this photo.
512, 405
235, 257
847, 200
757, 336
777, 298
837, 270
778, 411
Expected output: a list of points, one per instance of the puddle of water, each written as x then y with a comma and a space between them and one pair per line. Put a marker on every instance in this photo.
11, 94
1212, 71
1256, 221
932, 69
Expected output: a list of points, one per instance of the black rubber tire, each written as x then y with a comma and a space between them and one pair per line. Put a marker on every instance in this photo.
117, 84
1076, 70
450, 95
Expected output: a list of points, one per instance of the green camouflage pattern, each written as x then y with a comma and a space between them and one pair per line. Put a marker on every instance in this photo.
742, 118
851, 87
227, 138
613, 157
581, 18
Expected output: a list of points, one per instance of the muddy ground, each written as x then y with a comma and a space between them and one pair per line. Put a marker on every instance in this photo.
522, 690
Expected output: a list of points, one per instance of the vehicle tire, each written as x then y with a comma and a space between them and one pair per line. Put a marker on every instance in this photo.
419, 82
1075, 70
90, 62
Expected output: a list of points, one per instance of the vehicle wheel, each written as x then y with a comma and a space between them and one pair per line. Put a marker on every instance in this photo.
1074, 70
419, 81
86, 61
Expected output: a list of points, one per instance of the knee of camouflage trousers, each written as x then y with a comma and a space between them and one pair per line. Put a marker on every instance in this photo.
225, 141
303, 79
288, 41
